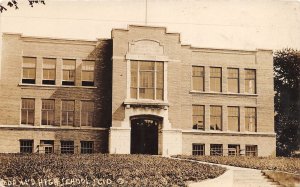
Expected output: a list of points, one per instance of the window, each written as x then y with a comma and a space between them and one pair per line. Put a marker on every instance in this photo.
233, 118
198, 117
233, 150
87, 73
67, 113
198, 78
216, 79
147, 80
216, 149
67, 147
27, 111
250, 81
233, 80
215, 118
250, 119
87, 113
46, 146
87, 147
69, 72
198, 149
251, 150
48, 112
26, 146
49, 71
29, 64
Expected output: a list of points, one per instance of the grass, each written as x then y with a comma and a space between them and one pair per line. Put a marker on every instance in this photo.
291, 165
101, 169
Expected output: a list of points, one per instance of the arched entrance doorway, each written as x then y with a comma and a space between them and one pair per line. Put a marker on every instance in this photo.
144, 134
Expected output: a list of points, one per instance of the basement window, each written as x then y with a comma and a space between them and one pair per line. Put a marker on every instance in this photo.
198, 149
26, 146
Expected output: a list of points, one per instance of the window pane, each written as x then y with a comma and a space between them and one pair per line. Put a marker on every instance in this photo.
49, 63
250, 119
23, 117
133, 93
216, 149
233, 73
159, 94
198, 149
47, 112
216, 118
29, 62
28, 73
87, 113
250, 78
198, 117
251, 150
147, 79
144, 65
146, 93
215, 79
233, 118
67, 113
88, 76
198, 78
69, 64
88, 65
49, 74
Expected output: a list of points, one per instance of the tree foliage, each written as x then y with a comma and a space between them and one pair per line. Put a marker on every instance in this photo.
287, 103
14, 4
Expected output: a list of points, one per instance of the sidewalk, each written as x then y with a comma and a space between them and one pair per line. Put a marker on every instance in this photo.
235, 177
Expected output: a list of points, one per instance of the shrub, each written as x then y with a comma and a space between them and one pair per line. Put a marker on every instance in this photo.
102, 169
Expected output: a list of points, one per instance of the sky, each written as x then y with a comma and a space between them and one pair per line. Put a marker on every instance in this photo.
229, 24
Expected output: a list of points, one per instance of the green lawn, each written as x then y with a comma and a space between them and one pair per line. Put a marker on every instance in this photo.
101, 170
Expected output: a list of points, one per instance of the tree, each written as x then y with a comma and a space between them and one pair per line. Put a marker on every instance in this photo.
287, 103
14, 4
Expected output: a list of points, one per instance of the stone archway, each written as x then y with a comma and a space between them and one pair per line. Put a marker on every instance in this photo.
145, 134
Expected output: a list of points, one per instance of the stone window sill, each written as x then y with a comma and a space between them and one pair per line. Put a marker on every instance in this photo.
222, 93
52, 86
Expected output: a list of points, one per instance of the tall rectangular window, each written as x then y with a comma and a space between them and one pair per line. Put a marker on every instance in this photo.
215, 118
87, 147
26, 146
198, 117
216, 149
233, 80
29, 64
69, 67
216, 79
198, 78
49, 69
198, 149
251, 150
48, 112
250, 119
27, 111
87, 73
67, 113
147, 80
67, 147
87, 113
233, 118
250, 81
